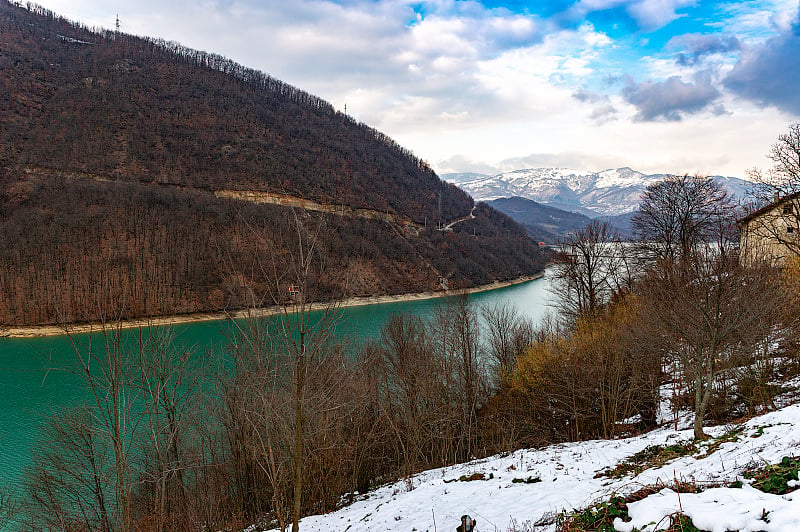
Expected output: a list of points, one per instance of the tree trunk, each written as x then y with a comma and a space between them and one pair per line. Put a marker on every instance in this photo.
702, 397
298, 433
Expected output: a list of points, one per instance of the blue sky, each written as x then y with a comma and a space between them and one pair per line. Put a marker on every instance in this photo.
659, 85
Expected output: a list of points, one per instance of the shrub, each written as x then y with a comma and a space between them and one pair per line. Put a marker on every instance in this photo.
597, 518
652, 456
776, 478
582, 385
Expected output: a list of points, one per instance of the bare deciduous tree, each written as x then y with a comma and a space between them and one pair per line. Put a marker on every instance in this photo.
170, 383
507, 335
710, 314
706, 309
104, 365
457, 335
305, 338
679, 213
586, 272
784, 176
409, 387
70, 485
8, 508
294, 355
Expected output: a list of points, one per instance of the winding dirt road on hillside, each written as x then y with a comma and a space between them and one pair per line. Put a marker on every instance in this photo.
271, 198
286, 200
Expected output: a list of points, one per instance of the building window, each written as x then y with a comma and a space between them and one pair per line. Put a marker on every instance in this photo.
787, 209
790, 230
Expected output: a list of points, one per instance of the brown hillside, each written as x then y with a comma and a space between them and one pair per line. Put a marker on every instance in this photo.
112, 148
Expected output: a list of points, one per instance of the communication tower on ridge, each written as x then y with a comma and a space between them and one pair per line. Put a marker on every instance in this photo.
117, 22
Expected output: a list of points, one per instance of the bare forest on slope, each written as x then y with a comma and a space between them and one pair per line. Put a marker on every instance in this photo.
111, 149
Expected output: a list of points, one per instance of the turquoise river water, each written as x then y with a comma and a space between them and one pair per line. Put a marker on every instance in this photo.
31, 389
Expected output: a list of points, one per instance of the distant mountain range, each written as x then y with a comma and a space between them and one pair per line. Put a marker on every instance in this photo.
612, 193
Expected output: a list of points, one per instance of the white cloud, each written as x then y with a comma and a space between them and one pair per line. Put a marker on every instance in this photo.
671, 99
649, 14
755, 21
464, 79
694, 145
652, 14
767, 74
517, 27
435, 35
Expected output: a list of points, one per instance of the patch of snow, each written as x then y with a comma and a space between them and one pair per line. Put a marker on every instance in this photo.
717, 510
76, 41
621, 177
435, 500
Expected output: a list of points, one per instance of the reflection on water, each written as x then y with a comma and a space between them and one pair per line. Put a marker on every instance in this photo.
34, 383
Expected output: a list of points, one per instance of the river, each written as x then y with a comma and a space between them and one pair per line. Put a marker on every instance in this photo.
31, 389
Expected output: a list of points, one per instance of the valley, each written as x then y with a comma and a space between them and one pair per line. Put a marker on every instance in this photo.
554, 202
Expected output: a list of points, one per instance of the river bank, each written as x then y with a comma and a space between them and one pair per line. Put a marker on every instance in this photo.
78, 328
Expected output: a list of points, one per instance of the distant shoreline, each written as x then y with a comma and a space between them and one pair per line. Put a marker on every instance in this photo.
159, 321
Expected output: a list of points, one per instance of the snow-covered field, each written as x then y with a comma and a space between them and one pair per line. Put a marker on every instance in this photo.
568, 479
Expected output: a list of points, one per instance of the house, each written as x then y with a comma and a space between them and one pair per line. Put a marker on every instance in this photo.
772, 232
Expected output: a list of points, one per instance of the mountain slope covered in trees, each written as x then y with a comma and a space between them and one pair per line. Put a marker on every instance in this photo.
115, 150
551, 225
543, 223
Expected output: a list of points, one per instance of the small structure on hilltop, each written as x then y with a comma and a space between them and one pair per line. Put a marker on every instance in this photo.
771, 232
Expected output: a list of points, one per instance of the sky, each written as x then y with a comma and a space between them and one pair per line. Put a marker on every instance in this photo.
672, 86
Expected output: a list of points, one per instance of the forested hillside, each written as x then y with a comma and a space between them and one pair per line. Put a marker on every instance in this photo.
112, 147
542, 222
142, 110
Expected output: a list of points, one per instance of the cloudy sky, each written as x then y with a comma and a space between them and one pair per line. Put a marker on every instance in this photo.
658, 85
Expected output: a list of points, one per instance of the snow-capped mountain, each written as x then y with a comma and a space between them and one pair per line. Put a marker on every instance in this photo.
607, 193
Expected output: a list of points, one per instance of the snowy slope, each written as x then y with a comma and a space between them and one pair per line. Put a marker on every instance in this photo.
435, 500
607, 193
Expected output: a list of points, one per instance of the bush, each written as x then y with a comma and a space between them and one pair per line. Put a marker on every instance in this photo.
583, 385
776, 479
599, 518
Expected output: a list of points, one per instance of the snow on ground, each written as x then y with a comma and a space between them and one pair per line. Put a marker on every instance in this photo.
568, 473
